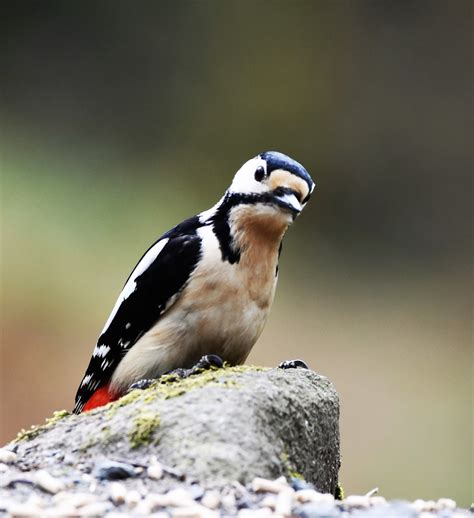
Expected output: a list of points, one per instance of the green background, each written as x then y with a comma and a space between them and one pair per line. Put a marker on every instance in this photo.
119, 119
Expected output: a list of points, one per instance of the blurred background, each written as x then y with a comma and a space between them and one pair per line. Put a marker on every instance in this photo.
119, 119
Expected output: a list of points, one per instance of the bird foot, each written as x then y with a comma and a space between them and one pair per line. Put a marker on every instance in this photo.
293, 364
206, 362
140, 384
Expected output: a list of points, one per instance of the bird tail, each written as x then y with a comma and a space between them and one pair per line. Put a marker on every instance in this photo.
100, 397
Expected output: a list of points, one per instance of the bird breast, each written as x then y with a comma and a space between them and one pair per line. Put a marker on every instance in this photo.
222, 310
226, 305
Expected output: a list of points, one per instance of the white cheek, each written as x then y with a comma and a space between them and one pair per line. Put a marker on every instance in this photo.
244, 180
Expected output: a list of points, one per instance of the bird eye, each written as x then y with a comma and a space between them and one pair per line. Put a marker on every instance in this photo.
259, 174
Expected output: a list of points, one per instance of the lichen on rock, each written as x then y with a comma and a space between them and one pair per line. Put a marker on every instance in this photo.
143, 428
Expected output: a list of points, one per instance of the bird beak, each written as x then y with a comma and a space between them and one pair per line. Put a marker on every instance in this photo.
290, 202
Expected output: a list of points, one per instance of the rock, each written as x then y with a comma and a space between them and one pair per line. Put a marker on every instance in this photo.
47, 482
320, 510
310, 495
262, 485
221, 426
447, 503
211, 499
298, 484
284, 502
155, 471
117, 492
114, 470
7, 456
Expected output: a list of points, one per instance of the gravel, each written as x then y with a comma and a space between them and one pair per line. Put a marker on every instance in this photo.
156, 491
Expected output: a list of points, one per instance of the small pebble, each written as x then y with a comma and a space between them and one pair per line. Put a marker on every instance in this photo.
24, 510
269, 486
424, 505
74, 499
3, 467
117, 492
132, 498
196, 491
47, 482
60, 511
320, 510
246, 502
372, 492
360, 501
378, 500
298, 484
35, 499
310, 495
96, 509
269, 501
114, 471
7, 456
155, 501
255, 513
155, 471
228, 501
143, 507
179, 498
211, 499
447, 503
193, 511
284, 502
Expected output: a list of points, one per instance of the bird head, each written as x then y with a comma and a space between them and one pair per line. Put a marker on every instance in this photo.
272, 181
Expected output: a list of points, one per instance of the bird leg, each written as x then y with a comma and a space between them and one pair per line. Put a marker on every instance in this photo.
293, 364
208, 361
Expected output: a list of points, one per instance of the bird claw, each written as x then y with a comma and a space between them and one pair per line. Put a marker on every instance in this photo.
140, 384
206, 362
293, 364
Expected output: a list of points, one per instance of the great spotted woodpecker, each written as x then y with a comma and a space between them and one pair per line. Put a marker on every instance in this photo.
205, 287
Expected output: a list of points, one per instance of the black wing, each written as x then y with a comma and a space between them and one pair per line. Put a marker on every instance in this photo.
149, 291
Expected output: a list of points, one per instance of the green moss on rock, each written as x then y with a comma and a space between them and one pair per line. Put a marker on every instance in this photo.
288, 466
339, 495
168, 386
35, 430
143, 428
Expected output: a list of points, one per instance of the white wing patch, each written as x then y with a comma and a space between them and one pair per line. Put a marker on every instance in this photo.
130, 286
210, 244
101, 351
86, 380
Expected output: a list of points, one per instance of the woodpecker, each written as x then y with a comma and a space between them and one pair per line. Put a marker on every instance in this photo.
204, 288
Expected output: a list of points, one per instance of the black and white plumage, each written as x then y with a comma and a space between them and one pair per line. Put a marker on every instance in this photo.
205, 287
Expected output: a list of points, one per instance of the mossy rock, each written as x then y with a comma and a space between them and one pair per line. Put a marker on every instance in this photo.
220, 426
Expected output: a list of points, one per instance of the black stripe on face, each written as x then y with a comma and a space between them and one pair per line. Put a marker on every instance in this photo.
220, 221
276, 160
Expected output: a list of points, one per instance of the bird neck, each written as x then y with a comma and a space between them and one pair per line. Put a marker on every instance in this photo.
257, 232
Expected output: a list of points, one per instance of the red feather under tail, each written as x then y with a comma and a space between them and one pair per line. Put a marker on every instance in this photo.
100, 397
